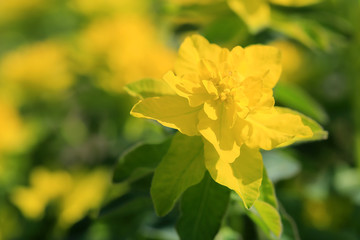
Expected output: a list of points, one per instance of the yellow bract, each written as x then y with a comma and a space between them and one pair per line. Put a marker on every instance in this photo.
226, 97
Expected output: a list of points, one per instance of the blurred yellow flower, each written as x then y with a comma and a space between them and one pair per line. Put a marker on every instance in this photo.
42, 66
45, 186
86, 194
227, 98
292, 60
50, 185
12, 129
129, 46
30, 202
75, 194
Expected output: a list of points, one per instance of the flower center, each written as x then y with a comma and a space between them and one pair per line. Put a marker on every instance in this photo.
225, 94
226, 86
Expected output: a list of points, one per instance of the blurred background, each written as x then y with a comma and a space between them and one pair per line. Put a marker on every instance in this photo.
64, 116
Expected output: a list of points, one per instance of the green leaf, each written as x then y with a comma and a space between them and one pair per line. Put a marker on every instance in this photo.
280, 165
290, 231
309, 32
292, 96
226, 30
202, 209
319, 132
146, 88
267, 218
255, 13
182, 167
267, 191
264, 212
139, 161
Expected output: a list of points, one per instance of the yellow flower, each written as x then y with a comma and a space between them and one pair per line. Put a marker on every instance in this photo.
45, 186
75, 194
293, 59
40, 66
127, 45
13, 131
87, 193
226, 97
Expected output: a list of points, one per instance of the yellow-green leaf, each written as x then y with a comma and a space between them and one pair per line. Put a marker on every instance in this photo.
295, 3
318, 132
267, 217
148, 88
292, 96
170, 111
265, 210
271, 128
255, 13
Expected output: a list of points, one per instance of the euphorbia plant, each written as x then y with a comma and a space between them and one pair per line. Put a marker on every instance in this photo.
221, 102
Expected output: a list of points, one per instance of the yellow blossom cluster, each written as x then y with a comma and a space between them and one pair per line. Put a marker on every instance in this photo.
74, 194
127, 45
41, 66
226, 97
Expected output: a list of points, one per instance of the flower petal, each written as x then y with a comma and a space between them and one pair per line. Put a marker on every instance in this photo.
219, 133
192, 50
244, 175
170, 111
210, 88
263, 62
211, 109
270, 128
194, 91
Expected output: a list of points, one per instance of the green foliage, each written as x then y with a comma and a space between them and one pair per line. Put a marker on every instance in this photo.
294, 97
172, 177
140, 161
265, 210
267, 218
203, 207
307, 31
290, 231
